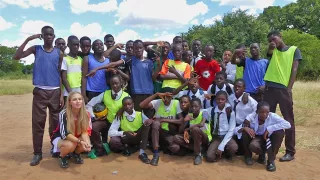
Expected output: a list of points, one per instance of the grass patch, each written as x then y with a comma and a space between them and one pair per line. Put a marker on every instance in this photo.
15, 87
15, 76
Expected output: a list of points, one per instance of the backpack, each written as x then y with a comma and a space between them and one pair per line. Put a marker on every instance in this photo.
201, 93
213, 91
213, 115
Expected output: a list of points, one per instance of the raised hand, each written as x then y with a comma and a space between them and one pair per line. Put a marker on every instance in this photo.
36, 36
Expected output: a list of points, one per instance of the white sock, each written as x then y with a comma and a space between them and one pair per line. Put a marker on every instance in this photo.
141, 151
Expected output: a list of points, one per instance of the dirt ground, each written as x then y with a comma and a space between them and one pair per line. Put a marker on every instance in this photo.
16, 152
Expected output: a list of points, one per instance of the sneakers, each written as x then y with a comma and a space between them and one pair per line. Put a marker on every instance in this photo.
126, 152
63, 162
92, 154
197, 160
286, 157
36, 159
155, 160
248, 161
144, 158
77, 158
106, 148
271, 167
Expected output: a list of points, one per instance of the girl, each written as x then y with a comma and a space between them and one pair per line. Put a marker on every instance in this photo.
72, 134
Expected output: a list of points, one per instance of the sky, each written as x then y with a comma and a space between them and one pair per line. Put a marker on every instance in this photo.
149, 20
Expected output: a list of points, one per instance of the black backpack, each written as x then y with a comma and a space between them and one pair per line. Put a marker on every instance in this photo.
213, 115
213, 91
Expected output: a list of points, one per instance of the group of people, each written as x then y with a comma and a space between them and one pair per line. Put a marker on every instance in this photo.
166, 97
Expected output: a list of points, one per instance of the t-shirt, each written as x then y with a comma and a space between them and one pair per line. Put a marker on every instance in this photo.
296, 57
254, 71
207, 72
156, 104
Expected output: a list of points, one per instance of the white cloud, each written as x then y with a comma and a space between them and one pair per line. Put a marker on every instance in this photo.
4, 25
93, 30
31, 27
82, 6
127, 35
194, 22
45, 4
163, 36
251, 5
158, 13
212, 20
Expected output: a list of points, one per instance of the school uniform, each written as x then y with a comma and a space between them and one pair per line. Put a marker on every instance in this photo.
195, 59
274, 124
214, 89
223, 129
231, 70
129, 122
199, 94
113, 105
74, 73
200, 137
46, 94
164, 132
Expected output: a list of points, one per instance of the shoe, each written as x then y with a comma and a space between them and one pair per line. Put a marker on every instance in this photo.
262, 159
55, 155
77, 158
63, 162
100, 153
155, 160
271, 167
248, 161
126, 152
144, 158
197, 160
106, 148
36, 159
286, 157
228, 156
92, 154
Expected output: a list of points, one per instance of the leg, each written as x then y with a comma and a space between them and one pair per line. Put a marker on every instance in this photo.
155, 128
104, 133
271, 97
286, 108
66, 147
257, 145
54, 109
212, 150
275, 140
231, 148
116, 144
97, 127
199, 138
178, 139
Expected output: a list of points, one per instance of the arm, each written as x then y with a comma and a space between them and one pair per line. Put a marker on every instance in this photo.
173, 121
279, 123
158, 69
123, 75
61, 89
236, 56
147, 102
114, 129
22, 54
294, 72
65, 81
229, 134
164, 72
109, 65
84, 70
108, 51
176, 91
94, 101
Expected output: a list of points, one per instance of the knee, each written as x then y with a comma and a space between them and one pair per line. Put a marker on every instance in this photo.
68, 146
174, 148
195, 131
253, 147
278, 134
233, 148
155, 125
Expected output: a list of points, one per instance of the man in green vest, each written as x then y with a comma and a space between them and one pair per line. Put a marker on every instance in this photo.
279, 78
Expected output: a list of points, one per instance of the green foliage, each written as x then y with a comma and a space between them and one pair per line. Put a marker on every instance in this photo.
309, 46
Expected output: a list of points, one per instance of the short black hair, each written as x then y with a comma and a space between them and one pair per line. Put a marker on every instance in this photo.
222, 93
108, 36
185, 96
224, 74
175, 46
130, 41
137, 41
85, 38
258, 44
126, 98
240, 46
196, 40
176, 37
274, 33
166, 42
209, 45
72, 37
116, 76
184, 41
262, 104
95, 41
46, 27
196, 100
185, 53
115, 55
240, 80
55, 42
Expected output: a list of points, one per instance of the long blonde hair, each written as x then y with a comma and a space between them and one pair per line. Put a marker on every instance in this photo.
83, 118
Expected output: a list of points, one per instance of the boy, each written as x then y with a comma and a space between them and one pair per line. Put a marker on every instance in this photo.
47, 81
71, 68
261, 133
187, 57
85, 46
239, 70
174, 72
113, 101
163, 57
230, 68
254, 70
176, 40
108, 41
207, 68
280, 77
129, 131
196, 50
115, 56
185, 45
164, 127
60, 43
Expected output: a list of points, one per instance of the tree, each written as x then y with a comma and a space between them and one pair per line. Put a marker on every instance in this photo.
6, 62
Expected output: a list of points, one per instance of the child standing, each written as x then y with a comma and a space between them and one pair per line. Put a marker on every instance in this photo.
264, 133
60, 43
47, 81
85, 46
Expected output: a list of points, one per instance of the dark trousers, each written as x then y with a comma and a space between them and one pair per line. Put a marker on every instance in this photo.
117, 143
163, 137
137, 99
283, 97
257, 96
98, 128
230, 148
91, 94
198, 139
258, 144
43, 99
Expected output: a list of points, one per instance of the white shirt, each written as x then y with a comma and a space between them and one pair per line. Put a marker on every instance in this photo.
114, 128
204, 102
273, 123
242, 110
99, 99
156, 104
224, 88
195, 60
231, 70
226, 128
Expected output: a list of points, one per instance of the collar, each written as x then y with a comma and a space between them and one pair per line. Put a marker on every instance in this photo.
223, 88
217, 110
119, 94
196, 94
257, 118
133, 115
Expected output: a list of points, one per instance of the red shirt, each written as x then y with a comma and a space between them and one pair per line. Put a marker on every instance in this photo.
207, 72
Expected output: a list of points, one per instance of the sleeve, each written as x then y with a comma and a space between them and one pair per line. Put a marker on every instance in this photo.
236, 129
187, 72
64, 64
114, 129
297, 55
156, 103
206, 116
251, 117
278, 123
181, 93
228, 136
164, 69
231, 72
253, 104
94, 101
63, 124
209, 90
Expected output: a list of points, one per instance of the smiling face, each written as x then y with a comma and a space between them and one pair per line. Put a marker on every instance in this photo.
115, 84
76, 101
98, 47
238, 88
